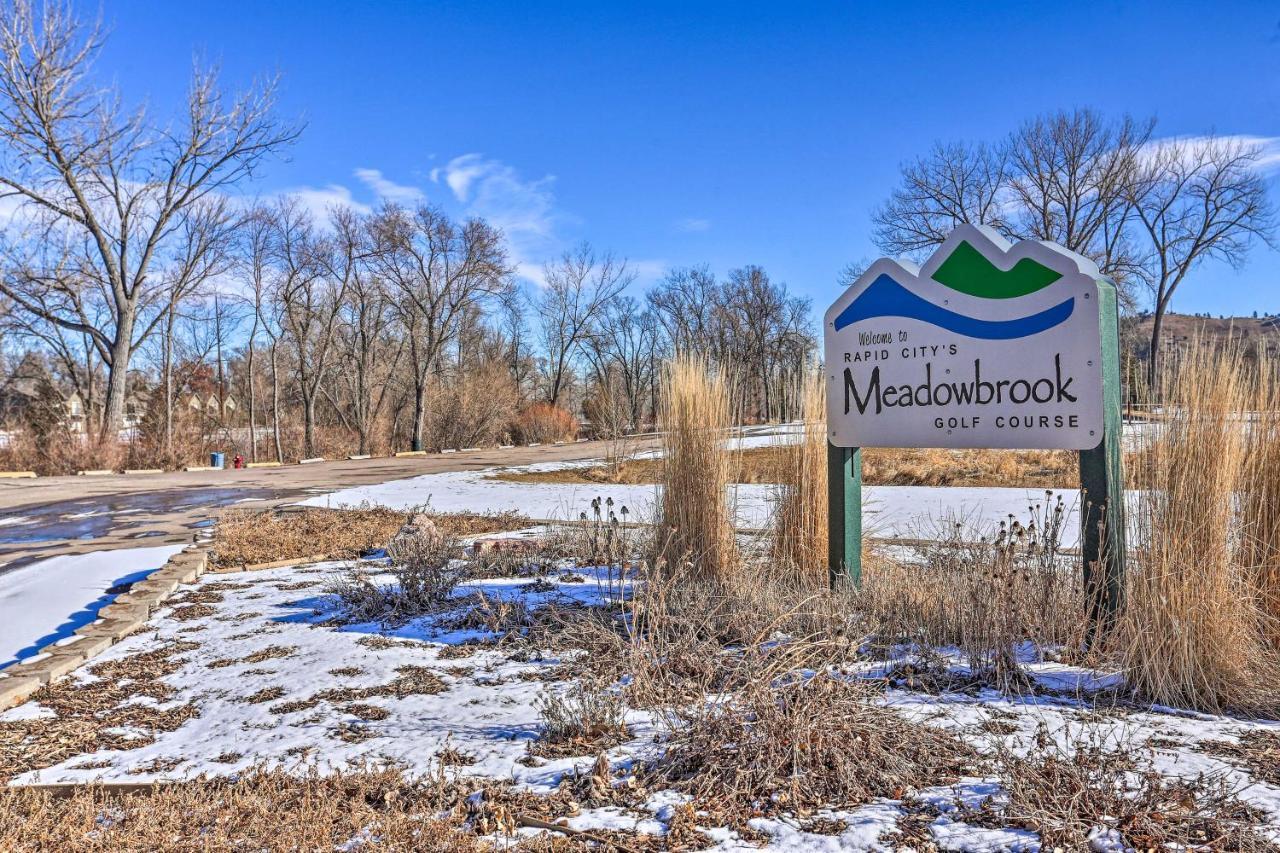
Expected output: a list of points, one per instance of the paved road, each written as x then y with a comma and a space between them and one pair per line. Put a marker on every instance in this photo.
71, 515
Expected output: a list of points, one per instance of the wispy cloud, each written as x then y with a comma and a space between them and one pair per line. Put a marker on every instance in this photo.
692, 225
320, 200
388, 190
525, 209
1268, 147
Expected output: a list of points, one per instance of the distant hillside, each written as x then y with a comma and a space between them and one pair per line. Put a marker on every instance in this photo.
1181, 329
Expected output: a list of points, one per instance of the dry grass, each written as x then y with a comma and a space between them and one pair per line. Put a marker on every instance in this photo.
1193, 633
278, 810
245, 537
800, 526
1067, 794
695, 518
1029, 469
90, 716
798, 746
986, 594
1260, 496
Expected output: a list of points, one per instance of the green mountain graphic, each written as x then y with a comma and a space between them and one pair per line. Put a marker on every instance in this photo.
967, 271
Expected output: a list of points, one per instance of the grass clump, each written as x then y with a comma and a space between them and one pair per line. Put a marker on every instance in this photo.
800, 745
800, 531
1195, 632
695, 517
586, 718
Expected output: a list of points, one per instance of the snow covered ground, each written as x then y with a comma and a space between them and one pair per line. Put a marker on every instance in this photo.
273, 680
47, 600
889, 511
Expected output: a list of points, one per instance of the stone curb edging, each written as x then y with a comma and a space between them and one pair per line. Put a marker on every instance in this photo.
17, 475
126, 614
274, 564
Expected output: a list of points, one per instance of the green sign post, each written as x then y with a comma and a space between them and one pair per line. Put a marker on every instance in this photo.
985, 345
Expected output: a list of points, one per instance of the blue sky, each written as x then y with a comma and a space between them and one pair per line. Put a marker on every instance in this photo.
719, 133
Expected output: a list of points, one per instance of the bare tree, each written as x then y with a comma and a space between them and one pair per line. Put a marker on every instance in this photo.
1196, 199
204, 248
1072, 175
1064, 177
685, 304
368, 353
105, 184
311, 276
579, 286
953, 184
439, 269
621, 352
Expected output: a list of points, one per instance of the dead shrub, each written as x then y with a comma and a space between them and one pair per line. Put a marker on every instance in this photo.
543, 423
797, 745
1076, 795
986, 592
427, 568
587, 718
472, 410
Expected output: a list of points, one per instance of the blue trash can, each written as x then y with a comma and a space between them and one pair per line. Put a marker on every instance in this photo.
217, 460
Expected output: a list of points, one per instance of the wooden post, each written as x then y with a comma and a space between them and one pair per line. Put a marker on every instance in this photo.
1102, 535
844, 514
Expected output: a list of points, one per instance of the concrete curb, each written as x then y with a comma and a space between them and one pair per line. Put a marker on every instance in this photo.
263, 465
144, 470
122, 617
95, 472
313, 460
17, 475
360, 456
404, 453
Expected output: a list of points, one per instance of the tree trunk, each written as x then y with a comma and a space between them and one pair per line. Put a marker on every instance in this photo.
419, 413
275, 404
117, 382
253, 406
308, 422
1153, 367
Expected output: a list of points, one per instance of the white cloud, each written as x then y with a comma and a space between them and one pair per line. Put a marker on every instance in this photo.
319, 200
388, 190
692, 225
1268, 147
525, 209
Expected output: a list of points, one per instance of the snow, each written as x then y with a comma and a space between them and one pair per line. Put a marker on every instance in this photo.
488, 711
45, 601
888, 511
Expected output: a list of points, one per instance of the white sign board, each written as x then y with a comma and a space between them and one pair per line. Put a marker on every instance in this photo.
985, 345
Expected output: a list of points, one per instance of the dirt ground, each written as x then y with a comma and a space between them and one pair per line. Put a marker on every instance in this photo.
78, 514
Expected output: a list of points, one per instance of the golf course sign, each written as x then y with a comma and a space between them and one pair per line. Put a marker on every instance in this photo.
985, 345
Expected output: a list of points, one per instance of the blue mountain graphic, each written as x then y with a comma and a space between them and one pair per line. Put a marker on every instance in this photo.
886, 298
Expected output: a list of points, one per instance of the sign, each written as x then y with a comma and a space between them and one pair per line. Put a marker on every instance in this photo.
986, 345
